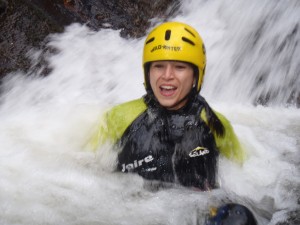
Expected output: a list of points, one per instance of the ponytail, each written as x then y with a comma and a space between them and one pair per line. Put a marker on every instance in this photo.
213, 121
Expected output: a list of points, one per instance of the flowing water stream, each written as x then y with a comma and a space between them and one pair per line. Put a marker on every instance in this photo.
47, 176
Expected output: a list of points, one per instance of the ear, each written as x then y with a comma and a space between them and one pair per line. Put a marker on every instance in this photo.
194, 81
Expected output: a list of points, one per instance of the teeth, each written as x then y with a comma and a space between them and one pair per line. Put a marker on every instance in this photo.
168, 87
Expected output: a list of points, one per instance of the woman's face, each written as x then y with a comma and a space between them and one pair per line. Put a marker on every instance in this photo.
171, 81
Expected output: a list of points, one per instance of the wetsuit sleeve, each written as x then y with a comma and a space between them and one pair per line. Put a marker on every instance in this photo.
228, 145
113, 123
101, 134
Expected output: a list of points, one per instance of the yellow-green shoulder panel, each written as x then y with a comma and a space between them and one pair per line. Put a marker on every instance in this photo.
113, 124
121, 116
228, 145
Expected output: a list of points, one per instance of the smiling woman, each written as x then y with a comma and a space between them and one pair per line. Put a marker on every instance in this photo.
171, 135
171, 82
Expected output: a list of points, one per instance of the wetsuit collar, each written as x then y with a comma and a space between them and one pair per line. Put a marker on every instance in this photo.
153, 103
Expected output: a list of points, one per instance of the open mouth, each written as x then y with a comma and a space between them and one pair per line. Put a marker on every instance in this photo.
167, 90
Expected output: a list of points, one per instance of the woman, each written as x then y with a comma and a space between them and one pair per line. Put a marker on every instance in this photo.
171, 134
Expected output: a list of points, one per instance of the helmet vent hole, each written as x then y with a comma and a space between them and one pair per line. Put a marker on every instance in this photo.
168, 35
190, 32
150, 40
188, 40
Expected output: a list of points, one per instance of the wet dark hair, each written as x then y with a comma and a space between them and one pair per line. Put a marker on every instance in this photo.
213, 121
147, 78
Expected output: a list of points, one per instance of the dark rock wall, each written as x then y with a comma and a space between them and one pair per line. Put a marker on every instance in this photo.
22, 28
24, 24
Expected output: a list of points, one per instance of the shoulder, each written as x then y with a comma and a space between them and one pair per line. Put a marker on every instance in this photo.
229, 144
207, 112
128, 110
121, 116
133, 105
114, 122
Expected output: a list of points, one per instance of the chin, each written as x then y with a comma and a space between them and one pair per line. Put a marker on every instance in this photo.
166, 102
168, 105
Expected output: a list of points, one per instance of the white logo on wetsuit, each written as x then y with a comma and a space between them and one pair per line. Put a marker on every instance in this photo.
199, 151
138, 163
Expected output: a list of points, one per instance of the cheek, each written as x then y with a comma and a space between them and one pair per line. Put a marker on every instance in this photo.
152, 80
188, 81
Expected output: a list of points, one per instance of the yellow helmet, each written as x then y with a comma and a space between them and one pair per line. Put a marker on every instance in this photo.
175, 41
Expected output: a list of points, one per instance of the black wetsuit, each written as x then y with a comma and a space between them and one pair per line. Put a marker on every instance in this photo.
171, 146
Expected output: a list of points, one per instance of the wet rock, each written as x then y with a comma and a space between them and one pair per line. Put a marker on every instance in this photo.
25, 23
23, 27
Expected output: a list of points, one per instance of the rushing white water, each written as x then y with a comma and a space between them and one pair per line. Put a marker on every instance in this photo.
48, 177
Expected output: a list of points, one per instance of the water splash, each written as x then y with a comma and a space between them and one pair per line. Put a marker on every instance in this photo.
253, 49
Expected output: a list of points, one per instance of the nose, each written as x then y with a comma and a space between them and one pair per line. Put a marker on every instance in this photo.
169, 71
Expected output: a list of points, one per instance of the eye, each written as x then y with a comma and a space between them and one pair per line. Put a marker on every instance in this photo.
180, 66
157, 65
